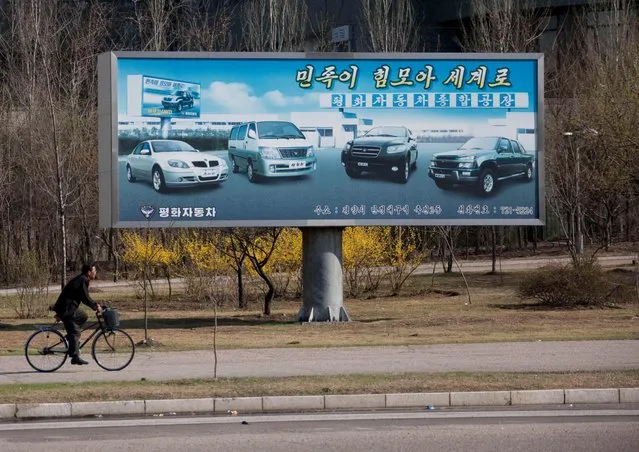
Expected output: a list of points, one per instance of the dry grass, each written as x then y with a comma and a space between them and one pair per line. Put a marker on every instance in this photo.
423, 316
344, 384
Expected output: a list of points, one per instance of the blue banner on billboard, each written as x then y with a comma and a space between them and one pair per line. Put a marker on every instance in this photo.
288, 140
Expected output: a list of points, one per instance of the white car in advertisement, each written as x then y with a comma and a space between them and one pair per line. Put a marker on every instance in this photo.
174, 163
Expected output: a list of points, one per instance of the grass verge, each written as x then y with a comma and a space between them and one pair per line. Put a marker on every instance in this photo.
426, 313
317, 385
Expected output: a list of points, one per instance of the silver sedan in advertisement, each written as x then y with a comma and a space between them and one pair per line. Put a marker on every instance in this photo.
173, 163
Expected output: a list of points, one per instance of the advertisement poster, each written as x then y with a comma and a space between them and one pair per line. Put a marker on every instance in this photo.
289, 140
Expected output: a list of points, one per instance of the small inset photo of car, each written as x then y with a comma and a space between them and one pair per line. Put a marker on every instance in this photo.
268, 149
482, 162
174, 163
387, 150
178, 101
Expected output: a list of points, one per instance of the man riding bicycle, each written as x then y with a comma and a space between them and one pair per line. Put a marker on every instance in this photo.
67, 309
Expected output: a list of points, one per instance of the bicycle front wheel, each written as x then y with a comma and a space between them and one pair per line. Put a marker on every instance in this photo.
46, 350
113, 349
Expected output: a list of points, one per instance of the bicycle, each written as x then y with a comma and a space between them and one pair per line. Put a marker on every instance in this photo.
46, 350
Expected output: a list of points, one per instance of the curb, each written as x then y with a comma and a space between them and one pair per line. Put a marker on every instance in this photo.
428, 400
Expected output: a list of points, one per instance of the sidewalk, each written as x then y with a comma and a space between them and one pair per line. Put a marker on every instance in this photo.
283, 362
491, 357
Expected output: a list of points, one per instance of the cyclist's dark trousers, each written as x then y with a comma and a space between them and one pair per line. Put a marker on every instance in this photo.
73, 324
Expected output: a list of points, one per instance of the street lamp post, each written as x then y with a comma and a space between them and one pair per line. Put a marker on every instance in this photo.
589, 132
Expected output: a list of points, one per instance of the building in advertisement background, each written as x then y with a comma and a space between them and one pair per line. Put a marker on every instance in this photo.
332, 129
323, 129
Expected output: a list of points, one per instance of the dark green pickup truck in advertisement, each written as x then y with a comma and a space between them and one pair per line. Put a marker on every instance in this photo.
483, 163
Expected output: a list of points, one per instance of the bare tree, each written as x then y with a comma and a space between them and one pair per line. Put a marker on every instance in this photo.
447, 235
203, 25
321, 25
390, 25
6, 180
274, 25
52, 45
503, 26
234, 248
6, 175
259, 249
592, 134
154, 20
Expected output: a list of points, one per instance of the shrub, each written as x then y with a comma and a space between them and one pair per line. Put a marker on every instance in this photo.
205, 287
583, 285
31, 300
285, 264
362, 254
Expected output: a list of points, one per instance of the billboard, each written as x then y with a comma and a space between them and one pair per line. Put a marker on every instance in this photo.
161, 97
320, 139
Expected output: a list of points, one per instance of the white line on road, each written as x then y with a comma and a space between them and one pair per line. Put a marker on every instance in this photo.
305, 417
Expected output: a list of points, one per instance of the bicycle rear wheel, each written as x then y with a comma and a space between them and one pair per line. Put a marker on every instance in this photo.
46, 350
113, 349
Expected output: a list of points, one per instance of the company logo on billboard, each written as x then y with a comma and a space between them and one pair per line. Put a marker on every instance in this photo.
147, 211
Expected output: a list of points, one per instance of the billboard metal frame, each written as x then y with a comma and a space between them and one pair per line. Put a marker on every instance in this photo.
109, 189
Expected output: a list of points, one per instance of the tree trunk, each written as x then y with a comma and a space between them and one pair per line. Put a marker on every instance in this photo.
494, 249
114, 255
467, 242
268, 298
628, 221
241, 303
167, 275
146, 305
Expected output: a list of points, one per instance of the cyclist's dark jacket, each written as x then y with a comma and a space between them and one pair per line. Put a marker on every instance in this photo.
75, 292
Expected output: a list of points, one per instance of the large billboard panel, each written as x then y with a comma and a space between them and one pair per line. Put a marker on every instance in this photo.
320, 139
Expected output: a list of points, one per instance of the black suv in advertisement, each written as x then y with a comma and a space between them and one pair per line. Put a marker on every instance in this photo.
482, 162
178, 101
386, 150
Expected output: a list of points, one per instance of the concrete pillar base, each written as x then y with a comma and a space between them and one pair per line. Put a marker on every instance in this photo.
322, 276
325, 314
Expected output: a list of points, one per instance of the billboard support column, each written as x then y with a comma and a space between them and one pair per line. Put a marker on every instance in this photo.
322, 276
165, 127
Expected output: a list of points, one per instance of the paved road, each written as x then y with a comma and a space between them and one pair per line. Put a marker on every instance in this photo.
502, 430
492, 357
